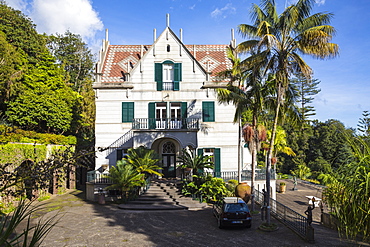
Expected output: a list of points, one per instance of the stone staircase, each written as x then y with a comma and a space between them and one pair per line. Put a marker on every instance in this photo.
163, 195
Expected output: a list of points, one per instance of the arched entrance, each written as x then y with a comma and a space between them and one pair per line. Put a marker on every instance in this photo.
168, 149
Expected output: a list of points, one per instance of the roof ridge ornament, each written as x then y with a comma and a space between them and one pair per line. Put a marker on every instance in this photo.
167, 20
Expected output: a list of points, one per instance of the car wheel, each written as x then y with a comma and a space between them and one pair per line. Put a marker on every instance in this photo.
220, 223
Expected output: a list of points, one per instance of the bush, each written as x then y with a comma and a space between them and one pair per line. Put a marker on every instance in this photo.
13, 134
211, 189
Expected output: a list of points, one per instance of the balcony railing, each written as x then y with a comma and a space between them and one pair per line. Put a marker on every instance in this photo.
245, 175
165, 123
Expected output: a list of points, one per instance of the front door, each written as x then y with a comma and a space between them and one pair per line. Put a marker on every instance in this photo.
169, 159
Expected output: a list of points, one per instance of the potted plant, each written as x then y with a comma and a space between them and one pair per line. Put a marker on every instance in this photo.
282, 187
189, 161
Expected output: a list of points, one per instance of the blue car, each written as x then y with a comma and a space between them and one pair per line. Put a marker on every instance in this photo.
232, 211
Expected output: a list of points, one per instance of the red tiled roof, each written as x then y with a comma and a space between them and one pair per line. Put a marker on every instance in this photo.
212, 58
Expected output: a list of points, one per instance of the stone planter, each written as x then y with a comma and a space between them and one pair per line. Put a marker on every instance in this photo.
282, 188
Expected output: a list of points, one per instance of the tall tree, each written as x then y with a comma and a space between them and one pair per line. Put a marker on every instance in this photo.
77, 60
363, 125
11, 67
277, 40
247, 92
306, 88
21, 33
44, 102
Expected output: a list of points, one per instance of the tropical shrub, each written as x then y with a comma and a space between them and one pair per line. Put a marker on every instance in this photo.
348, 193
144, 160
195, 162
211, 189
31, 235
124, 177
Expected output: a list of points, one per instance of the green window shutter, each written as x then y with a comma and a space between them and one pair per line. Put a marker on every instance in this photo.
158, 75
151, 115
184, 109
217, 159
127, 112
177, 76
184, 115
208, 110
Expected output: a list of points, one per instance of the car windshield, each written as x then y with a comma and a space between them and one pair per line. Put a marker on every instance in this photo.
235, 207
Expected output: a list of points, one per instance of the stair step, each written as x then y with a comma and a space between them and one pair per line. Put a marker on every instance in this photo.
153, 203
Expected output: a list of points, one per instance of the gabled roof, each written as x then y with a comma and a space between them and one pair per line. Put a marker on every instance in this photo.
120, 59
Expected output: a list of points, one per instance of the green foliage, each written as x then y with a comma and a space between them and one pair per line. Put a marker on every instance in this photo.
143, 160
14, 134
16, 153
10, 70
45, 103
302, 172
21, 33
6, 208
195, 162
45, 90
326, 178
31, 235
306, 89
363, 125
210, 188
26, 168
213, 189
77, 60
348, 193
322, 147
124, 177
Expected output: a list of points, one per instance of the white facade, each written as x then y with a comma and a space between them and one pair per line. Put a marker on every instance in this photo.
167, 111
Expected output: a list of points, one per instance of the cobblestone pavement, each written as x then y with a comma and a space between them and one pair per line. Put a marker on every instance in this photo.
84, 223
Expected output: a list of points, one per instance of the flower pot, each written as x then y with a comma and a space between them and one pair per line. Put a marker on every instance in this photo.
282, 188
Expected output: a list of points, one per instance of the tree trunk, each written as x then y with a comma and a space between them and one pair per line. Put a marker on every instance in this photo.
269, 156
254, 159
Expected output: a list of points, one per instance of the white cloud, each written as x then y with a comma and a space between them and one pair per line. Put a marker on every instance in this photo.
58, 16
223, 12
290, 2
320, 2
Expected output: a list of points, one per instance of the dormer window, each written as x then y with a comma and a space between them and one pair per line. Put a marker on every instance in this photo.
168, 75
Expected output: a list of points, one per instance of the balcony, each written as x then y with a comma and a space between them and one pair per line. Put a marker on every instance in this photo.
165, 123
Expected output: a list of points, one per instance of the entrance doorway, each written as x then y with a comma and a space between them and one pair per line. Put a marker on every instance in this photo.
169, 159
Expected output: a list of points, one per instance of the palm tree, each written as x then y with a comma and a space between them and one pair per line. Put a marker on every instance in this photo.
195, 162
143, 160
250, 94
124, 177
277, 41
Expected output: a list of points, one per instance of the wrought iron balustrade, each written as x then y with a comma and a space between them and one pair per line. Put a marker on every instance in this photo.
295, 221
245, 175
165, 123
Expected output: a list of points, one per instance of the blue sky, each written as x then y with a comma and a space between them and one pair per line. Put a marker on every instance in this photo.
344, 83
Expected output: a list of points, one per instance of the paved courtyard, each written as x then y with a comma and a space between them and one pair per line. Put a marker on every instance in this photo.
84, 223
